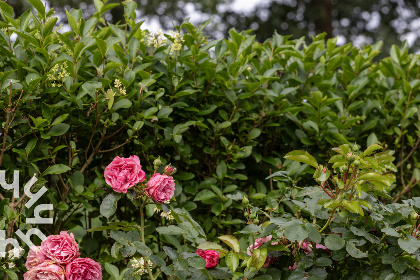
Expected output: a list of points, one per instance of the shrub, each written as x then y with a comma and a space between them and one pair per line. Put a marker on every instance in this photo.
224, 113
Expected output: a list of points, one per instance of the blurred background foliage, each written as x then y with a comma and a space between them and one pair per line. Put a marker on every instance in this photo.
361, 22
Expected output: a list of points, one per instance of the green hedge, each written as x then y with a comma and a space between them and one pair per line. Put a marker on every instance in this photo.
224, 112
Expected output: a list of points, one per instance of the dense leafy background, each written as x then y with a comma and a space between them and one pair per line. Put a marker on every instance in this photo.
224, 112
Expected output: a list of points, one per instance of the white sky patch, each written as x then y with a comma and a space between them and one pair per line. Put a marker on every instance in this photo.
243, 6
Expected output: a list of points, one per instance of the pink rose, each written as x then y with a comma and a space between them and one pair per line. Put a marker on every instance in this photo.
295, 265
123, 173
62, 248
36, 256
211, 257
83, 269
161, 188
45, 271
259, 242
307, 247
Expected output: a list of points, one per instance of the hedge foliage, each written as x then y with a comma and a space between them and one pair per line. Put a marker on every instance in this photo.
224, 112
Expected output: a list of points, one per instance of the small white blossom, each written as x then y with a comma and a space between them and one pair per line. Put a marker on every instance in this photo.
140, 265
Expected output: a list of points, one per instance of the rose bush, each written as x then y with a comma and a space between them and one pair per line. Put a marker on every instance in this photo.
224, 112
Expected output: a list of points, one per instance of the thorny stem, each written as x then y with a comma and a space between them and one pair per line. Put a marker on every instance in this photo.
143, 240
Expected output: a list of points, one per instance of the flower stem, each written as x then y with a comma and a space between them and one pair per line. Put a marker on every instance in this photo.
329, 220
143, 240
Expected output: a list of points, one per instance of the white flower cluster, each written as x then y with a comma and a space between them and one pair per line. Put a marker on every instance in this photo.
60, 72
120, 87
178, 40
164, 214
11, 255
140, 265
156, 40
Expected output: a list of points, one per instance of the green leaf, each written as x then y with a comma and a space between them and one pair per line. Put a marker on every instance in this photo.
109, 205
296, 232
251, 229
57, 169
302, 156
372, 176
37, 4
258, 257
172, 254
72, 23
391, 232
400, 265
142, 248
12, 274
170, 230
58, 129
371, 149
211, 246
122, 103
409, 244
204, 195
254, 133
220, 273
60, 119
334, 242
157, 260
232, 260
231, 241
30, 146
221, 169
197, 262
112, 270
6, 9
323, 261
355, 252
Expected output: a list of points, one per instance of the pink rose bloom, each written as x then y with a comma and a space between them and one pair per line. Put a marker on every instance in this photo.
307, 247
161, 188
83, 269
124, 173
45, 271
259, 242
211, 257
62, 248
295, 265
36, 256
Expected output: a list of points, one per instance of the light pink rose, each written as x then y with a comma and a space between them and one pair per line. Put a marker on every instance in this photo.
161, 188
259, 242
124, 173
62, 248
211, 257
83, 269
45, 271
35, 257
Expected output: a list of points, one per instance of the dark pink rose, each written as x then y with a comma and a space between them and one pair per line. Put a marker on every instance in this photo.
45, 271
161, 188
83, 269
259, 242
36, 256
124, 173
62, 248
211, 257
